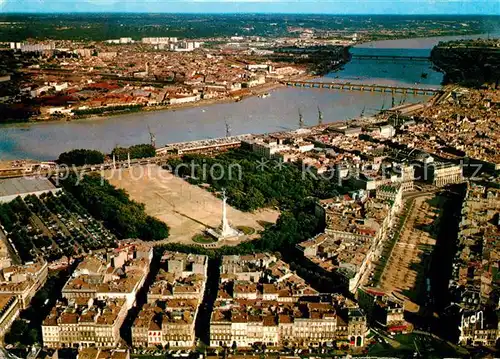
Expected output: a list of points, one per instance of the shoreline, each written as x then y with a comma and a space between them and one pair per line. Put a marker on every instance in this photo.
358, 121
423, 37
252, 92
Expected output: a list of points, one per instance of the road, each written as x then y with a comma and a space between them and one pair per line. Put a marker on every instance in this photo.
9, 250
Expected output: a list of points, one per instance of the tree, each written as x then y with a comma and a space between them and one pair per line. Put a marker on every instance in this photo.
250, 186
18, 330
123, 216
81, 157
152, 229
136, 151
32, 336
255, 199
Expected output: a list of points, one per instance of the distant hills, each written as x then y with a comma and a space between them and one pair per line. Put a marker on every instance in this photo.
102, 26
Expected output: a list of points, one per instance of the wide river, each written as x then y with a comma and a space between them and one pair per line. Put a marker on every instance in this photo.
45, 141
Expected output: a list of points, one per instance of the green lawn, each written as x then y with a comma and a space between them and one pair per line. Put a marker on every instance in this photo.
246, 230
203, 239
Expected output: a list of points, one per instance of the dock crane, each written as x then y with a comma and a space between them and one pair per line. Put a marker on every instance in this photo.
152, 137
320, 117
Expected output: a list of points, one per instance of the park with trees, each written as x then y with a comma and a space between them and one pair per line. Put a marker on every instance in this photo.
82, 157
251, 182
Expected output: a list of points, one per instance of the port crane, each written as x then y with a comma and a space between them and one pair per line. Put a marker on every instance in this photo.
320, 117
152, 137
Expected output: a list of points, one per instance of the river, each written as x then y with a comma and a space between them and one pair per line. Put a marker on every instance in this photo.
45, 141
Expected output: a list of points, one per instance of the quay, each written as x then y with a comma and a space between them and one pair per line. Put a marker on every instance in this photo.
163, 155
202, 146
363, 87
48, 169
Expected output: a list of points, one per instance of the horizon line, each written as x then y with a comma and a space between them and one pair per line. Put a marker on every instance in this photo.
230, 13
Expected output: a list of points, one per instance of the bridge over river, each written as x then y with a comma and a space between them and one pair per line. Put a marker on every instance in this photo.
364, 87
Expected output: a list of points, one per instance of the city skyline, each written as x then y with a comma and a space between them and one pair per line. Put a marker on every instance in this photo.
361, 7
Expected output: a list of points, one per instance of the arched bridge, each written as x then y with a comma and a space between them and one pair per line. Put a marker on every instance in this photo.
363, 87
390, 57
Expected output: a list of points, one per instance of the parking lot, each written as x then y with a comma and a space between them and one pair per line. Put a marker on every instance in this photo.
52, 226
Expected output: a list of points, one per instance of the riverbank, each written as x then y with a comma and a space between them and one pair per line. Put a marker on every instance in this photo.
234, 97
444, 34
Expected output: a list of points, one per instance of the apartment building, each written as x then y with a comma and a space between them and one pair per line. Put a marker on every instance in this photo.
112, 274
174, 298
472, 284
356, 227
479, 328
357, 327
383, 310
23, 281
444, 173
9, 310
363, 163
262, 301
182, 276
84, 322
265, 147
392, 193
372, 175
158, 40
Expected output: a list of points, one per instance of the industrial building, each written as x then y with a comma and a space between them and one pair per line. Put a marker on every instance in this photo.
10, 188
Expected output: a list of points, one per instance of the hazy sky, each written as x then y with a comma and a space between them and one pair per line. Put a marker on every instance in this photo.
260, 6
